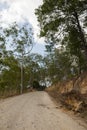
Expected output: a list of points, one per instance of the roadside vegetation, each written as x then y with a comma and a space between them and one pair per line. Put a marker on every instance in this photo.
63, 24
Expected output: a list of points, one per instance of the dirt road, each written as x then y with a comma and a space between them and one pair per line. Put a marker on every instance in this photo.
34, 111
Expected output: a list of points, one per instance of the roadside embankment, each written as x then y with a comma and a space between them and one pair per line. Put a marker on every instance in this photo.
72, 94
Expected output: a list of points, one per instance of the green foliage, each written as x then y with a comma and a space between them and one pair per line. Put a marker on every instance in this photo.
59, 66
21, 37
37, 86
35, 68
63, 25
21, 40
10, 75
61, 22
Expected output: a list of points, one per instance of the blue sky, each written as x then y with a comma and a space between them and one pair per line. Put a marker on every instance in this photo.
19, 11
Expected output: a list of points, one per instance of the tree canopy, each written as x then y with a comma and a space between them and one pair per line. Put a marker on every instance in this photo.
64, 22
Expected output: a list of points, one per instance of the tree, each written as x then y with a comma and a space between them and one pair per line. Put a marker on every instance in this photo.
22, 41
59, 66
35, 68
64, 22
9, 76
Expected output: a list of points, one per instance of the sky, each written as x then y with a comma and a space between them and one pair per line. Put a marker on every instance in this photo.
22, 10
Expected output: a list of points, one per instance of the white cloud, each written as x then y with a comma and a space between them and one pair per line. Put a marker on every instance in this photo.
20, 9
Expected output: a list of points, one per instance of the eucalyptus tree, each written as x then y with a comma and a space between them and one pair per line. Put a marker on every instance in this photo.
10, 76
21, 40
64, 22
35, 68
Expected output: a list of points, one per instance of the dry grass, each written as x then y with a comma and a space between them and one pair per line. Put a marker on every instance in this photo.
72, 95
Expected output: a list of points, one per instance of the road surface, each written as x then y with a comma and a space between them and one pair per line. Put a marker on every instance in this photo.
34, 111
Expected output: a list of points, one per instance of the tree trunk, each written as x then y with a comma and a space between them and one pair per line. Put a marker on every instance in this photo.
82, 35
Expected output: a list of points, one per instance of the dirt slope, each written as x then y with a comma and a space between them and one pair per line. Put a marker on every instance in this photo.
34, 111
72, 93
